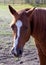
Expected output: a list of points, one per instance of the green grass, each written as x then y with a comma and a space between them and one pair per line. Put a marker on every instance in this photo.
39, 5
21, 6
2, 6
17, 7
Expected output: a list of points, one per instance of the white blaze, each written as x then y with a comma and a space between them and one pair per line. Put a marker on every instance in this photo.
19, 25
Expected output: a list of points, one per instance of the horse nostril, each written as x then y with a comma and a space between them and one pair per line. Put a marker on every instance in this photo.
17, 52
20, 52
14, 52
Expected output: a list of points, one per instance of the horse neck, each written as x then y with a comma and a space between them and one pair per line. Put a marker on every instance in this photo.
38, 25
33, 26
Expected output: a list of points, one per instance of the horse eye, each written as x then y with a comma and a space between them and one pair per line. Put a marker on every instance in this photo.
13, 26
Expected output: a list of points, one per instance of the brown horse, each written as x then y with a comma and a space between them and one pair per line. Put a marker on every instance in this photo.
28, 22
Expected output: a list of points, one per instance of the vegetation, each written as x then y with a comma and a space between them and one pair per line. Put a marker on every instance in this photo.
21, 6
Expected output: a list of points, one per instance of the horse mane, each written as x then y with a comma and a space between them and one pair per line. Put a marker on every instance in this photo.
23, 10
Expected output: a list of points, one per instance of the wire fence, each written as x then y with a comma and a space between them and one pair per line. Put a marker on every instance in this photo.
23, 1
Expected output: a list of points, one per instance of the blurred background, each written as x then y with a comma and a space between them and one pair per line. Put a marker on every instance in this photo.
23, 1
30, 56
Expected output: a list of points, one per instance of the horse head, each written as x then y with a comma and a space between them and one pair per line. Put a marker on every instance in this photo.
21, 28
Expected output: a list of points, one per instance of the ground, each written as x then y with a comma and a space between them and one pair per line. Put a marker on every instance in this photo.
29, 57
30, 54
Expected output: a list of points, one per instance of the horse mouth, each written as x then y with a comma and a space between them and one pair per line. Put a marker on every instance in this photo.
18, 53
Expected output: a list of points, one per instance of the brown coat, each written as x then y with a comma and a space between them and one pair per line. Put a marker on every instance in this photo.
39, 33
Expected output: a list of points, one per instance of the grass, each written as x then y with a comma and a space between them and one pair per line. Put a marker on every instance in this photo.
21, 6
39, 5
17, 7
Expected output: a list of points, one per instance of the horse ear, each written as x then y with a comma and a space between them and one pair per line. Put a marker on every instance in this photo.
30, 12
13, 11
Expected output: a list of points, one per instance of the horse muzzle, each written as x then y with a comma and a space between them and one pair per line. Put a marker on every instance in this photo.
17, 52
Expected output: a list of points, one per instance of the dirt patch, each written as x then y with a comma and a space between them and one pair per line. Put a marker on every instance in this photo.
29, 57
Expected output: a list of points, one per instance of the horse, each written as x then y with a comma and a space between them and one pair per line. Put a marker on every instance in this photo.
29, 22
